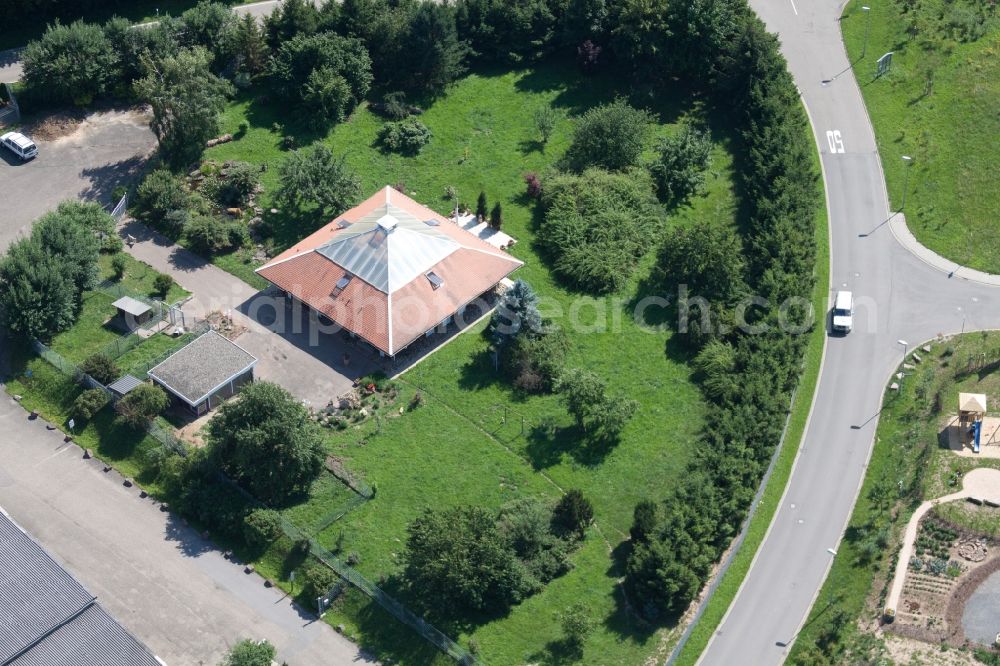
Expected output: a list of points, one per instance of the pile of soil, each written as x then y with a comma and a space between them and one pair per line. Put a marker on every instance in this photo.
56, 125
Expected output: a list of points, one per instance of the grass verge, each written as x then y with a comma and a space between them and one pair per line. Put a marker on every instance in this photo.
937, 105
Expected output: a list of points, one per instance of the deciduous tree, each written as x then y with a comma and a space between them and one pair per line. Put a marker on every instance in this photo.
267, 442
186, 99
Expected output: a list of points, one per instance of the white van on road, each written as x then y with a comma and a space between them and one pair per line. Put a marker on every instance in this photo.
843, 312
20, 145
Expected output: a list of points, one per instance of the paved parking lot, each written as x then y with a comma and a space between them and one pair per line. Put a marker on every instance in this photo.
104, 151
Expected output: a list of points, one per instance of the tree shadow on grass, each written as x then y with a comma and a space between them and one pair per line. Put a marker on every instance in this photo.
547, 442
625, 621
384, 635
117, 440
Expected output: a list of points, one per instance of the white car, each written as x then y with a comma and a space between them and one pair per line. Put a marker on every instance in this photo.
20, 145
843, 312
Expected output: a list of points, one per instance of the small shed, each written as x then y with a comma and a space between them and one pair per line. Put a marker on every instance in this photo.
124, 385
205, 372
132, 312
971, 407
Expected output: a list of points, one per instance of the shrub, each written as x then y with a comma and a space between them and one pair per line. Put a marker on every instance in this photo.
644, 521
250, 653
680, 165
545, 122
162, 284
533, 185
318, 580
496, 217
261, 527
416, 401
160, 193
406, 136
611, 136
209, 235
516, 314
314, 176
70, 63
532, 363
235, 188
141, 405
176, 221
573, 513
457, 559
597, 413
394, 106
118, 265
101, 367
89, 403
481, 206
597, 225
575, 622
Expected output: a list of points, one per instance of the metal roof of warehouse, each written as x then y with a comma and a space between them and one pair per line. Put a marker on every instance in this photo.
49, 618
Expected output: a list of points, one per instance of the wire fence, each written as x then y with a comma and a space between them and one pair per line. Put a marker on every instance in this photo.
386, 601
68, 368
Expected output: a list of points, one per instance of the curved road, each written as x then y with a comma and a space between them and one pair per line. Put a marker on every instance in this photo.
898, 297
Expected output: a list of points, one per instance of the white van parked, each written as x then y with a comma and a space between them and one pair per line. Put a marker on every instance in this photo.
20, 145
843, 312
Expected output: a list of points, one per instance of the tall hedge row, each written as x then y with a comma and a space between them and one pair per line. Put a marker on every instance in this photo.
667, 568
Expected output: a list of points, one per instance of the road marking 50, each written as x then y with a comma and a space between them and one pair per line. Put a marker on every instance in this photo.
835, 140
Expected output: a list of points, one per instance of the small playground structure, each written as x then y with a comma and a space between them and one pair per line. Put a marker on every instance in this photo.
973, 432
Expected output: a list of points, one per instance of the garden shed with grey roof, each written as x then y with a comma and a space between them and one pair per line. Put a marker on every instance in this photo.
205, 372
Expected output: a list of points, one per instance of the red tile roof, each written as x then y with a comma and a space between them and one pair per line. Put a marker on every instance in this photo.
390, 321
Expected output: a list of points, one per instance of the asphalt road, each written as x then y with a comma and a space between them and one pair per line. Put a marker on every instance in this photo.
898, 297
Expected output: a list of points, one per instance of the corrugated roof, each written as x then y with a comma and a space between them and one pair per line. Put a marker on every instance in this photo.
124, 385
93, 638
36, 594
131, 306
48, 618
202, 367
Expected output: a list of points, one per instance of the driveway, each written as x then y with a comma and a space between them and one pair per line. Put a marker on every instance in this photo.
292, 348
105, 150
172, 589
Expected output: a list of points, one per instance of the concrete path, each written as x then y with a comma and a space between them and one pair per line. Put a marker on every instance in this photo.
171, 588
293, 348
982, 483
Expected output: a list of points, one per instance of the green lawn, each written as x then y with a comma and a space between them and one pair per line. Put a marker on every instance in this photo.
51, 394
907, 453
91, 333
457, 448
948, 127
139, 277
